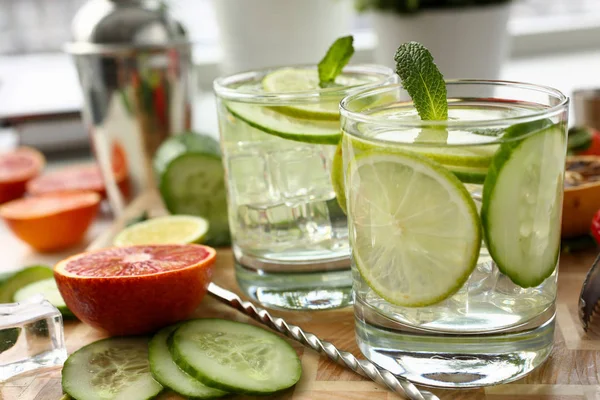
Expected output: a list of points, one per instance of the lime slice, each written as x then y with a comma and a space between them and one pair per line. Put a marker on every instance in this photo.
415, 230
172, 229
47, 288
288, 80
428, 145
337, 177
285, 126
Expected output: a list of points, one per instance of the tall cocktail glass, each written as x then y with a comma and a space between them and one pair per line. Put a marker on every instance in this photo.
290, 237
455, 229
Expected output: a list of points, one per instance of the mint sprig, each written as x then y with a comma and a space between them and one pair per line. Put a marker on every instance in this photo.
335, 60
423, 81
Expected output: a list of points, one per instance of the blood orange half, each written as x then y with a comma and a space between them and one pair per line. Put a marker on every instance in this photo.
75, 178
136, 289
16, 168
53, 221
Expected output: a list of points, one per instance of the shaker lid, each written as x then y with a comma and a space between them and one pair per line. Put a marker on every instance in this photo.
113, 25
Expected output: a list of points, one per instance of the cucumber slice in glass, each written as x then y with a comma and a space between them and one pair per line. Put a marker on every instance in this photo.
168, 374
272, 122
110, 369
234, 356
522, 202
48, 289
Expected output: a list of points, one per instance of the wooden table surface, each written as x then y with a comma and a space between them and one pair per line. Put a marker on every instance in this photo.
571, 373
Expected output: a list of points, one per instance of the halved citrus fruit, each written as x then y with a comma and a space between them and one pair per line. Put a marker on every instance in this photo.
17, 167
53, 221
76, 178
135, 289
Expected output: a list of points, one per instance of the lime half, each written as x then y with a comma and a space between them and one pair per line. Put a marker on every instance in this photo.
172, 229
287, 80
415, 230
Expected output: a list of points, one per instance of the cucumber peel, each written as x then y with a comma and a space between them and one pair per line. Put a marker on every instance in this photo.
10, 285
168, 374
522, 201
191, 181
234, 356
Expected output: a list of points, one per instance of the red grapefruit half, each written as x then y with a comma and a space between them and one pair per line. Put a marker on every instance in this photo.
53, 221
136, 289
17, 167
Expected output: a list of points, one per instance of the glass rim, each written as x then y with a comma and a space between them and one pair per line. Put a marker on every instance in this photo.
221, 85
534, 115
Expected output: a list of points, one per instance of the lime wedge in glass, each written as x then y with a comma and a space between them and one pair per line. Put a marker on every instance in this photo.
415, 230
171, 229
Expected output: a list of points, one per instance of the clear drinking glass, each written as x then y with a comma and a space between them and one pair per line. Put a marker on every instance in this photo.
290, 237
455, 229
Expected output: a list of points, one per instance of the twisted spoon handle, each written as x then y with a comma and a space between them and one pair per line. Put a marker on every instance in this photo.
362, 367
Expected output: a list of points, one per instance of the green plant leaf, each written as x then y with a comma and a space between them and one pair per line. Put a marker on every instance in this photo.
422, 80
335, 60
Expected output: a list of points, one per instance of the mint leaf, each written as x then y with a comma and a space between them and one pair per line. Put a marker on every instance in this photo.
422, 80
335, 60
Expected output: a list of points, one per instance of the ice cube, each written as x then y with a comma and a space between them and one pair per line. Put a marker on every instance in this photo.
31, 337
302, 174
249, 180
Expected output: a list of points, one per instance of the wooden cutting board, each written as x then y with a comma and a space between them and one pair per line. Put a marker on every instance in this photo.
571, 373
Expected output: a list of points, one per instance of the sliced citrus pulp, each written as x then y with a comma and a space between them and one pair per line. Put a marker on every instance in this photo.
287, 80
337, 177
415, 230
171, 229
135, 289
17, 167
53, 221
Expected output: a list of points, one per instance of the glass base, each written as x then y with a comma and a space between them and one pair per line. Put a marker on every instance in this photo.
454, 361
322, 290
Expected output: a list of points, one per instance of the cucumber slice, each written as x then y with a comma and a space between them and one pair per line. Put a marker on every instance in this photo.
168, 374
192, 182
268, 120
522, 202
110, 369
235, 357
48, 289
10, 285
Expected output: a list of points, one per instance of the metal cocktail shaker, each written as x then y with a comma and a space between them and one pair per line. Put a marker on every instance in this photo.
134, 65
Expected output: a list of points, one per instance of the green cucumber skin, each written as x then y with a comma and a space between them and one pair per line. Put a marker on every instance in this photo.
187, 368
16, 281
67, 386
179, 359
62, 307
154, 343
173, 151
325, 139
495, 168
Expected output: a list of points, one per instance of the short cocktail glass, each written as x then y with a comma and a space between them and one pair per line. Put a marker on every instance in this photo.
290, 237
455, 229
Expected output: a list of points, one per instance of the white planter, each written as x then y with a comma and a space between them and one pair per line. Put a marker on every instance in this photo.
264, 33
465, 43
